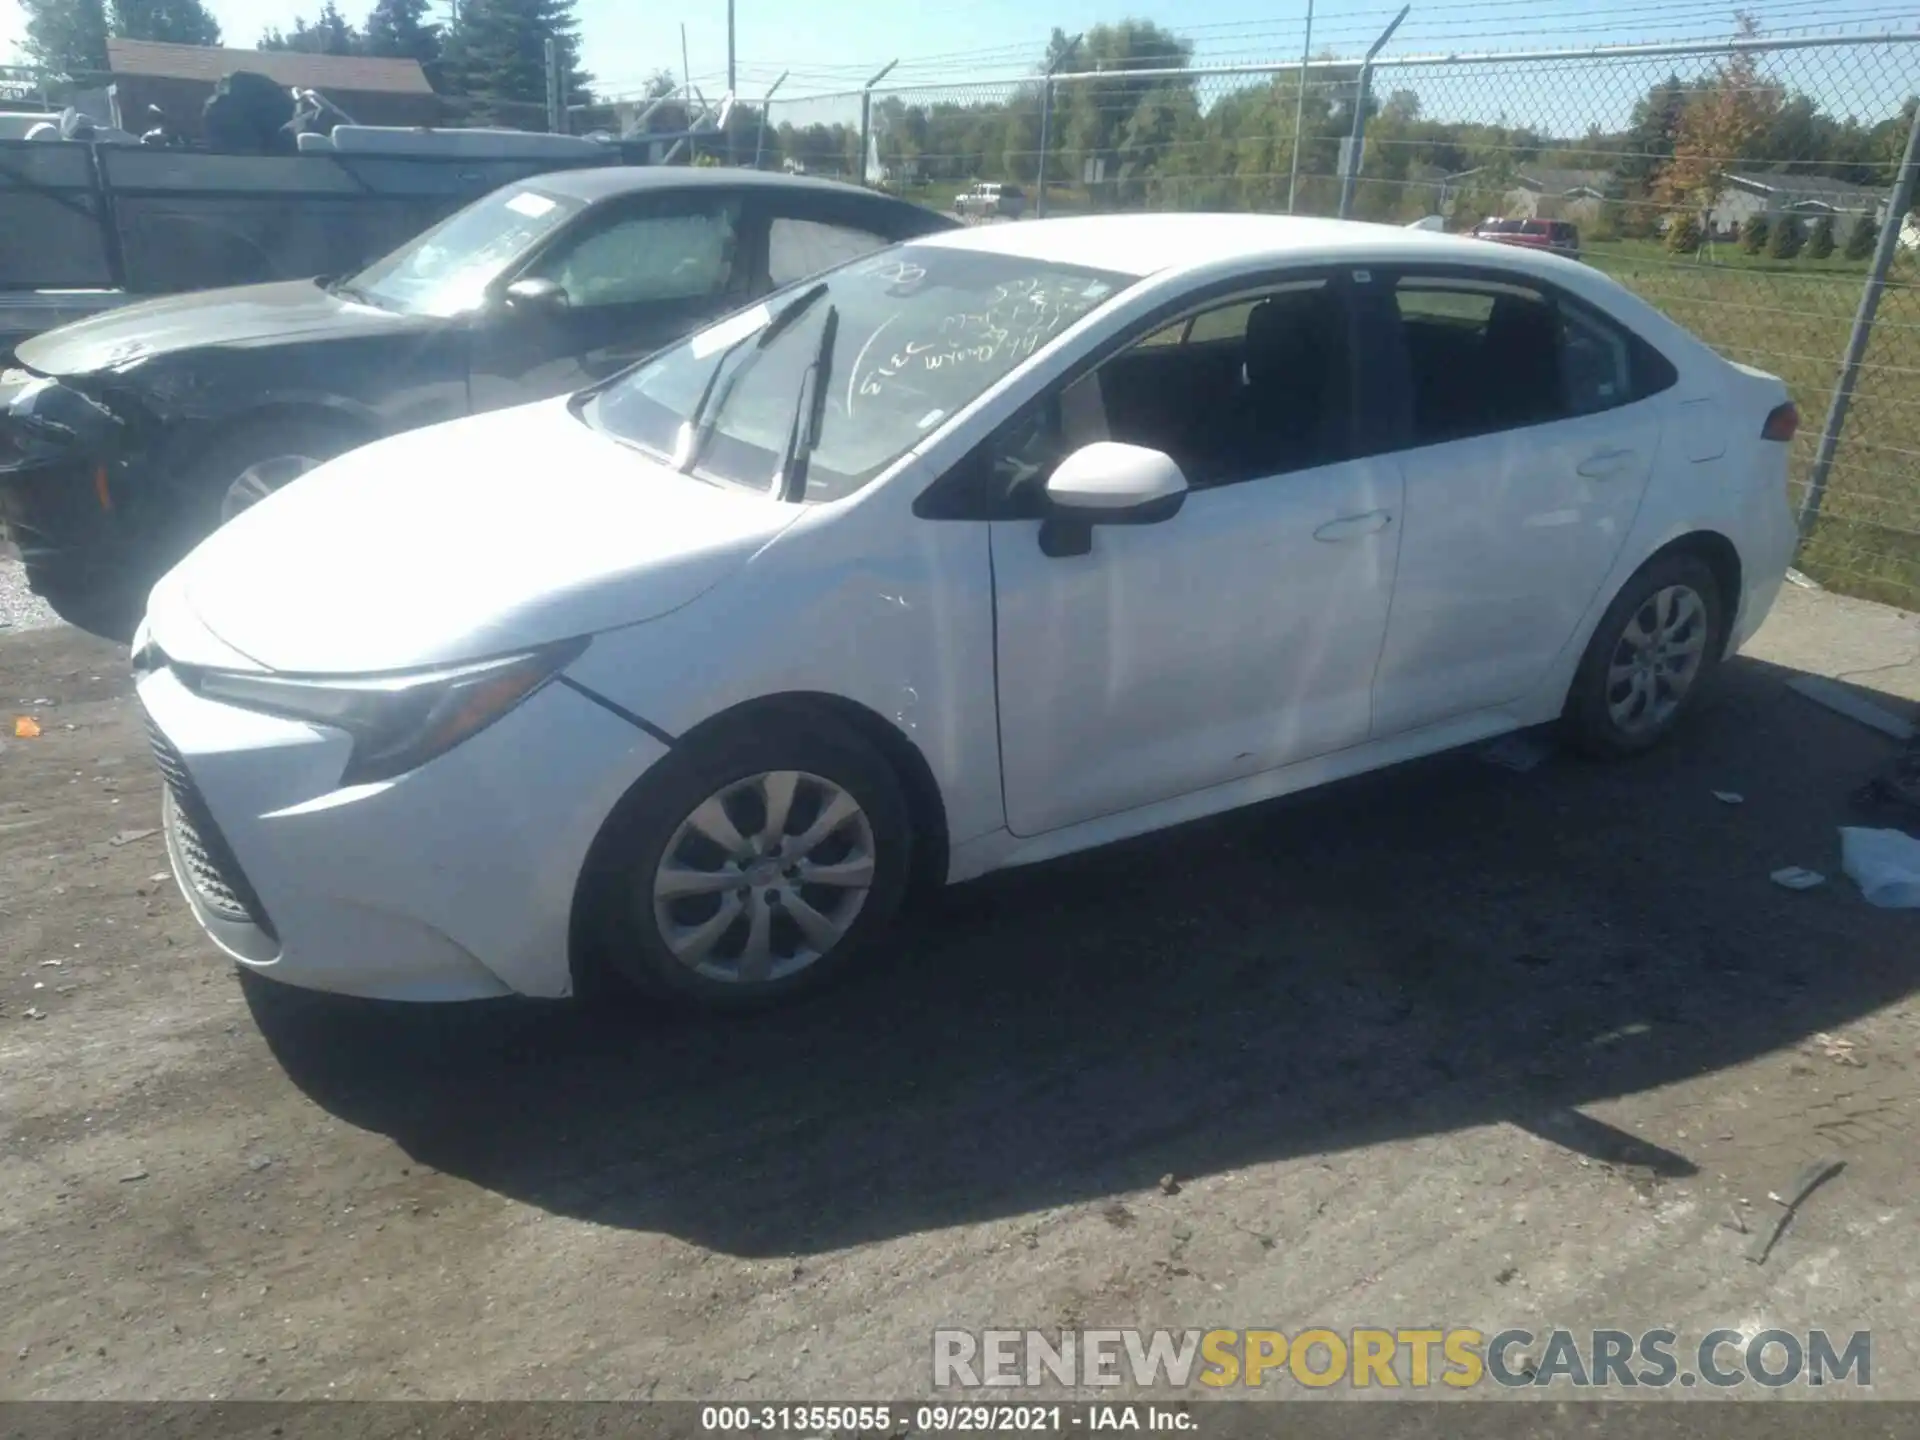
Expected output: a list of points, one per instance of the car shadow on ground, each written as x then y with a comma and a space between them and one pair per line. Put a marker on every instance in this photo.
1445, 945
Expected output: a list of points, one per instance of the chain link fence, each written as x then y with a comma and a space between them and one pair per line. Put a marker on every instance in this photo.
1741, 186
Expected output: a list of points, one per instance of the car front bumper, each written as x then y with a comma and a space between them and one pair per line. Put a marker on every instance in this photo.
455, 881
64, 491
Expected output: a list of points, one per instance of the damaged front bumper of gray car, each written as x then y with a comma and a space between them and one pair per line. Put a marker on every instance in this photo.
65, 502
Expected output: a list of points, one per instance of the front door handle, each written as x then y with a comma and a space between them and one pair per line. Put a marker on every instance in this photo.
1606, 464
1352, 527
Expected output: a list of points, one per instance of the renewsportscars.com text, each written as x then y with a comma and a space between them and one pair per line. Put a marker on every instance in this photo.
1414, 1359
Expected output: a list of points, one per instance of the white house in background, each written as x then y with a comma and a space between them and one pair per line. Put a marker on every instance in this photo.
1807, 197
1574, 195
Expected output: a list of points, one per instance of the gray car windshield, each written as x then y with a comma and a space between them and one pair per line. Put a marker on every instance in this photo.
447, 270
920, 331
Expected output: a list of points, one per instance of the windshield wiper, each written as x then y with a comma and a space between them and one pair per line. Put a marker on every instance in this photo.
701, 420
809, 413
347, 290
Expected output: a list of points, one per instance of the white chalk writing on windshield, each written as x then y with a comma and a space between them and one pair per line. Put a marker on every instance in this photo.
1014, 321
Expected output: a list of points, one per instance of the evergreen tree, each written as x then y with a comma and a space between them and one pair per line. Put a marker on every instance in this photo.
1753, 234
1820, 238
400, 28
1862, 236
68, 37
330, 34
1787, 238
1684, 235
495, 54
180, 22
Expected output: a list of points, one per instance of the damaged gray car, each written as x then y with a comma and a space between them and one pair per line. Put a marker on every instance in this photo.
126, 438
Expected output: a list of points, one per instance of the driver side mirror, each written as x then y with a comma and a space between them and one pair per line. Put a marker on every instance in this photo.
536, 297
1108, 483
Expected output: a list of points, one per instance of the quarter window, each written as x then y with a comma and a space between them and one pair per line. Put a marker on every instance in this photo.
799, 248
1486, 356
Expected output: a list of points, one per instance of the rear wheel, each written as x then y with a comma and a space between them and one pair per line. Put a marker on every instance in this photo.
1650, 657
756, 864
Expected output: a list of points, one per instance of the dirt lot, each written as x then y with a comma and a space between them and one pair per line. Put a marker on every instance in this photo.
1450, 1046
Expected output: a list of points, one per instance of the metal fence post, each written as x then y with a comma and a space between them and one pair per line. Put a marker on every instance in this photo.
556, 100
866, 116
766, 110
1046, 126
1300, 108
1897, 206
1351, 170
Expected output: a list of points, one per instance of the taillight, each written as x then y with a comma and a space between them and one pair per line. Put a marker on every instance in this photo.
1782, 424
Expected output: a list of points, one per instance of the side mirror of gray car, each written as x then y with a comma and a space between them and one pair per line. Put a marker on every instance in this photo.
536, 297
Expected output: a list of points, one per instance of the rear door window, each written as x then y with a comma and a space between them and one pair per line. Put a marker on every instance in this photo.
1484, 356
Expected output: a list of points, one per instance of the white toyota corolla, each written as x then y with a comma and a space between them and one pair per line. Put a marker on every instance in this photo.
968, 553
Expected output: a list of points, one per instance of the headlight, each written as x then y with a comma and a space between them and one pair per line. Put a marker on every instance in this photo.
397, 722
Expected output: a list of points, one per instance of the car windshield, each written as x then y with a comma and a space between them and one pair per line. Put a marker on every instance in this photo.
920, 331
447, 270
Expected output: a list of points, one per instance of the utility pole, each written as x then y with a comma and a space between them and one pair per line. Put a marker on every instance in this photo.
686, 70
733, 83
1300, 107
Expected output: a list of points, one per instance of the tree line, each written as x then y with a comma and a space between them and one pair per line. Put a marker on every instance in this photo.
1129, 139
492, 56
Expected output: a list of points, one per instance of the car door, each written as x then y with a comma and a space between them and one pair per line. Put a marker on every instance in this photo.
638, 273
1241, 634
1528, 427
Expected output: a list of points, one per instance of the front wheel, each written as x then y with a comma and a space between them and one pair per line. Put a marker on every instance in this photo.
758, 863
1650, 657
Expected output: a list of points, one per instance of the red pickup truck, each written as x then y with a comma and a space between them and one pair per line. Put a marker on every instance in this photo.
1559, 236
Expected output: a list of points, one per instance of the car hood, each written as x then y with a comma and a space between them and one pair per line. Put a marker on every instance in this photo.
456, 542
243, 315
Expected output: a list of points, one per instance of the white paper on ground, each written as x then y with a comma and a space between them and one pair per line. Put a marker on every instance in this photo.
1885, 864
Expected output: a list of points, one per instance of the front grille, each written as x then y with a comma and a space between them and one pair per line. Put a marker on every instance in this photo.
215, 875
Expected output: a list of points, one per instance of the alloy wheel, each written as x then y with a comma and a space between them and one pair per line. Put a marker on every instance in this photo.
764, 877
1656, 660
261, 479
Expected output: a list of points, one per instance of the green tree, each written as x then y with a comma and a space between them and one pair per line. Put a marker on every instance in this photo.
1862, 236
1753, 234
400, 28
1684, 236
495, 55
1787, 238
330, 34
180, 22
1820, 238
67, 37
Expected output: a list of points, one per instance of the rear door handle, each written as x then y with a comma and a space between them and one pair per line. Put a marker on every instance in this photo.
1606, 464
1352, 527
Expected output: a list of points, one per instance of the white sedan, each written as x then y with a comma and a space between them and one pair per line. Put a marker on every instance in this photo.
970, 553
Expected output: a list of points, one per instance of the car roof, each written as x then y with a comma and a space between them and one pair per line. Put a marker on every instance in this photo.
606, 181
1142, 245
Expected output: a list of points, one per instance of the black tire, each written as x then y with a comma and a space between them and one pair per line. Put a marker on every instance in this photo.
191, 508
619, 935
1589, 720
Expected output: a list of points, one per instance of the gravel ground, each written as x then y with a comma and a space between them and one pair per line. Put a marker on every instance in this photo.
1447, 1046
20, 608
